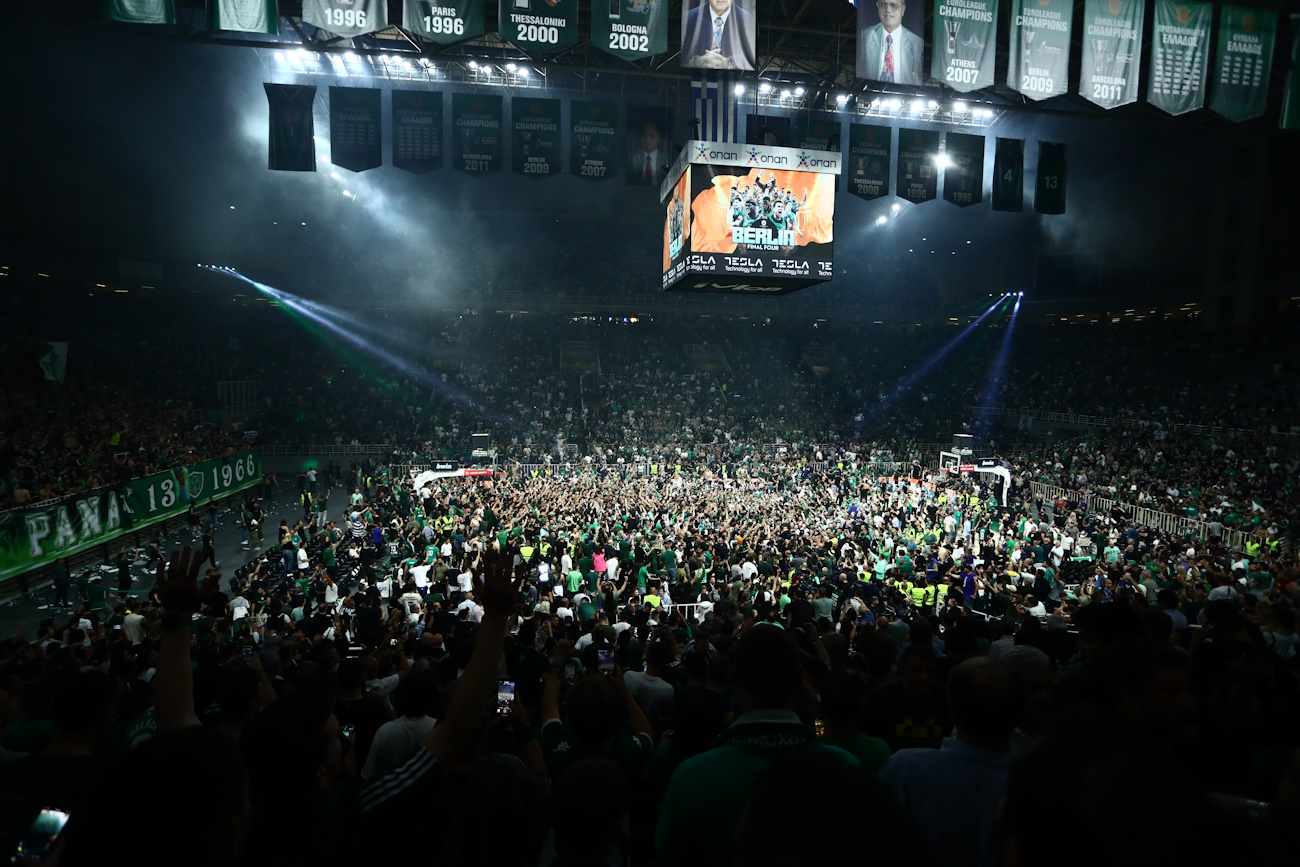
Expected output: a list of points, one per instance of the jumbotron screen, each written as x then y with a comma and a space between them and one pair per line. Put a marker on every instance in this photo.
760, 219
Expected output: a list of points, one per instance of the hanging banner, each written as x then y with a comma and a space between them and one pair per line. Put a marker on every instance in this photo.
1180, 55
291, 142
476, 123
1038, 56
140, 11
963, 175
1290, 118
770, 130
648, 138
630, 29
443, 21
918, 164
356, 128
417, 130
346, 17
244, 16
718, 34
965, 41
1049, 191
890, 45
535, 149
593, 139
539, 25
1112, 51
869, 154
1243, 62
817, 135
1009, 175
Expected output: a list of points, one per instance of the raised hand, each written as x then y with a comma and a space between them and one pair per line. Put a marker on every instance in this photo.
176, 583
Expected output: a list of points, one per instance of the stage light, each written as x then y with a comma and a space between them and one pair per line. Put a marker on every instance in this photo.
473, 64
798, 91
524, 72
279, 57
334, 175
942, 161
232, 207
842, 98
383, 58
933, 104
968, 242
785, 94
511, 67
487, 70
959, 107
349, 56
739, 90
917, 105
881, 220
895, 103
896, 207
765, 87
347, 193
1022, 294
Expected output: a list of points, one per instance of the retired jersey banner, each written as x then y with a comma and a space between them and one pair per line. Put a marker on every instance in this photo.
1180, 55
539, 25
476, 133
963, 176
630, 29
1009, 175
1243, 62
535, 150
593, 140
1049, 191
1290, 118
244, 16
346, 17
918, 165
417, 130
356, 128
965, 39
140, 11
291, 143
443, 21
1038, 56
1112, 51
869, 154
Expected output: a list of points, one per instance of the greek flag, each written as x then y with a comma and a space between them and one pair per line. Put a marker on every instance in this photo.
713, 96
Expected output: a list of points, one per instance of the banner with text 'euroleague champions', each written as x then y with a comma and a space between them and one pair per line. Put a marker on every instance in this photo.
963, 176
1180, 55
417, 130
1009, 175
443, 21
1112, 51
140, 11
918, 165
535, 148
356, 128
593, 140
1243, 62
1038, 55
630, 29
244, 16
814, 134
346, 17
869, 154
539, 25
476, 133
291, 143
965, 39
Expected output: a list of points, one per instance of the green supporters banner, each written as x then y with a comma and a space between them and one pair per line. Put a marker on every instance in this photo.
346, 17
1180, 55
444, 21
918, 165
244, 16
535, 149
1049, 190
869, 155
417, 130
593, 140
963, 175
1009, 175
630, 29
1243, 62
291, 140
539, 25
1038, 55
356, 128
965, 41
35, 537
1112, 51
1290, 118
476, 133
140, 11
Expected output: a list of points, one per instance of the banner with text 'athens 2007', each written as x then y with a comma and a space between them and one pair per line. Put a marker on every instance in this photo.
965, 41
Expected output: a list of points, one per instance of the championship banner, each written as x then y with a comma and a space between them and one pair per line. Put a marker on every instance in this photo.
869, 154
244, 16
539, 25
1009, 175
770, 130
140, 11
291, 145
346, 17
1290, 118
718, 34
593, 139
476, 142
35, 537
890, 45
918, 164
417, 130
356, 128
963, 177
443, 21
1243, 62
1180, 55
817, 135
630, 29
1049, 191
1112, 51
1038, 57
535, 150
965, 41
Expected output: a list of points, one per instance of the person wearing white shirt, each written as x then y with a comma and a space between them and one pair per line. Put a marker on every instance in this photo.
543, 572
564, 613
465, 581
466, 604
748, 570
566, 564
445, 550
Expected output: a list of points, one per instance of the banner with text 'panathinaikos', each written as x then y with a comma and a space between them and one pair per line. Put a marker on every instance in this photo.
1243, 62
35, 537
1038, 55
1112, 51
1180, 55
965, 39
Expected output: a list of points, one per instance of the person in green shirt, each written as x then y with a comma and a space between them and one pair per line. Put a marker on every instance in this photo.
573, 581
668, 558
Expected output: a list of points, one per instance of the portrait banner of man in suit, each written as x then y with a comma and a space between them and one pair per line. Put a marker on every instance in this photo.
719, 34
649, 137
890, 47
